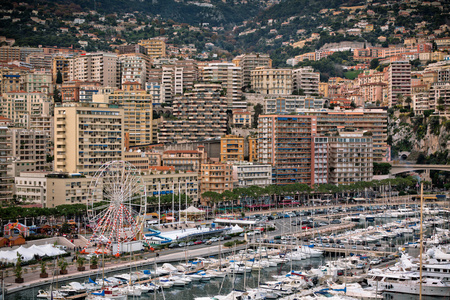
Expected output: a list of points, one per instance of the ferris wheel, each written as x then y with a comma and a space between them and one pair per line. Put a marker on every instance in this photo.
116, 205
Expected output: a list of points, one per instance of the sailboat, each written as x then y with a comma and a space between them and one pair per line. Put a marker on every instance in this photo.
107, 292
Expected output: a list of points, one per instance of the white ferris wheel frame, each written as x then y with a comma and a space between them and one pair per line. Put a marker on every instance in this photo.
120, 220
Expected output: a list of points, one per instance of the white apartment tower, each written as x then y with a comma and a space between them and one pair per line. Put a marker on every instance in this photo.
134, 68
230, 77
306, 79
350, 157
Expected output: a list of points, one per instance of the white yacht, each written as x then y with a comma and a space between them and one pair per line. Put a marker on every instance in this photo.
407, 283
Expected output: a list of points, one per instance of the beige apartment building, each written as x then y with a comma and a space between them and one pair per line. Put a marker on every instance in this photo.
138, 159
350, 157
61, 64
12, 78
242, 118
249, 62
39, 81
101, 67
30, 145
167, 180
216, 177
184, 160
54, 189
138, 112
252, 149
87, 136
155, 47
6, 181
271, 81
231, 148
19, 106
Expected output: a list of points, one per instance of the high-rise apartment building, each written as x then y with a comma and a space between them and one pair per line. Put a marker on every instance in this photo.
320, 160
216, 177
6, 181
87, 136
155, 47
201, 114
287, 143
138, 112
231, 148
399, 81
271, 81
101, 67
184, 160
373, 120
61, 64
249, 62
12, 78
39, 81
20, 106
169, 181
286, 104
306, 80
134, 68
134, 48
247, 174
350, 157
230, 77
172, 78
8, 53
29, 144
252, 149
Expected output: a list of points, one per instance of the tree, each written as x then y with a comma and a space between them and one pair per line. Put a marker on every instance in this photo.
353, 104
258, 110
43, 269
59, 79
440, 107
18, 269
374, 63
408, 101
80, 263
381, 168
57, 97
63, 264
400, 99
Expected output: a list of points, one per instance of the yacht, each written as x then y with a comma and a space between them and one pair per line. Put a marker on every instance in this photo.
407, 283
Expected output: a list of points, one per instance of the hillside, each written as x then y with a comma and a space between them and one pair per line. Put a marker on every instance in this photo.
192, 12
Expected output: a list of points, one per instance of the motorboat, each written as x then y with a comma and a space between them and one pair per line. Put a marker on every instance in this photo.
47, 295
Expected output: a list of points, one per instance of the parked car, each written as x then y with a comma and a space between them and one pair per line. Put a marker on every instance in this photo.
173, 245
182, 244
360, 266
191, 243
198, 242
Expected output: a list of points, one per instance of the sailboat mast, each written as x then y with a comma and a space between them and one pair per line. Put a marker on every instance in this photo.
421, 237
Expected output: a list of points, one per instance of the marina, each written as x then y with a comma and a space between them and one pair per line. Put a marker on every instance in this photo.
341, 259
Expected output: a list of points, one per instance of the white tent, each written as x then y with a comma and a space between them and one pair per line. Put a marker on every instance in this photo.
192, 210
235, 229
10, 256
